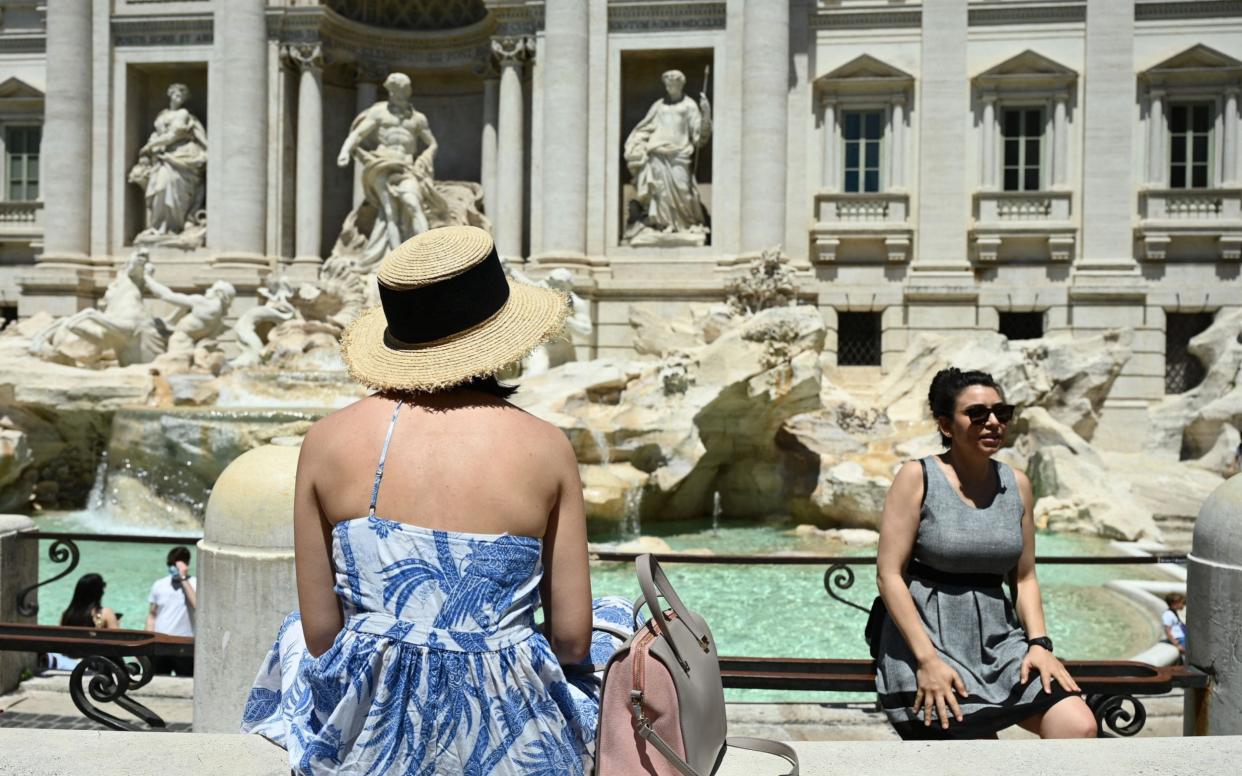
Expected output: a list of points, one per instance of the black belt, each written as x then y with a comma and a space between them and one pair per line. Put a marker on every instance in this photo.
922, 571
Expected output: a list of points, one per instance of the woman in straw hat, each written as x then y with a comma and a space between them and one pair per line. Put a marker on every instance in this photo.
416, 648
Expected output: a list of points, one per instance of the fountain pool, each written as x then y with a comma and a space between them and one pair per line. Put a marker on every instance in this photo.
753, 610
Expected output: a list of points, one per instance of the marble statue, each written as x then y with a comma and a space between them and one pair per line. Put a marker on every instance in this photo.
121, 325
199, 317
558, 350
396, 148
252, 325
660, 154
171, 169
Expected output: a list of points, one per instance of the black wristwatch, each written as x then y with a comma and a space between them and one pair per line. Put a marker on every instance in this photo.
1040, 641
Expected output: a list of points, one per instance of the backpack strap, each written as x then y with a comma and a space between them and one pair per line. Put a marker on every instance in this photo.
766, 746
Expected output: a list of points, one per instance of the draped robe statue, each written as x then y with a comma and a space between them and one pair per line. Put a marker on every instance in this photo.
171, 169
659, 153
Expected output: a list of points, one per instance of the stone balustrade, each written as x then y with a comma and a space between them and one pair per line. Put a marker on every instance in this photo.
1023, 219
21, 220
851, 219
1172, 218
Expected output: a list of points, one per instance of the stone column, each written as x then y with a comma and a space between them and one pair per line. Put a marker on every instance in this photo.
1060, 140
765, 106
1230, 174
565, 123
366, 92
1214, 615
944, 199
246, 581
236, 225
1108, 202
308, 192
988, 142
66, 152
19, 568
1156, 132
487, 151
897, 145
506, 216
828, 175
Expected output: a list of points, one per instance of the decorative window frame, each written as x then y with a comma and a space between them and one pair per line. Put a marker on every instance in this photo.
1199, 74
865, 83
1027, 80
21, 105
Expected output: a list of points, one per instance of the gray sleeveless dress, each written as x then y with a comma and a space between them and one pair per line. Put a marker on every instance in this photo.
974, 628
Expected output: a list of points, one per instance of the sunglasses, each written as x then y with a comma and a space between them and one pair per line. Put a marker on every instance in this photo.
978, 413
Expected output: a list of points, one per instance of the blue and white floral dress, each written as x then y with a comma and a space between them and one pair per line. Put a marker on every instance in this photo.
439, 669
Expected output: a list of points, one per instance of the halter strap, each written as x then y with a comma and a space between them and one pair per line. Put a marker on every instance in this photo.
379, 470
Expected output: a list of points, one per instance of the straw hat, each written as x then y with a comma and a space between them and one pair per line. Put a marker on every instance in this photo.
447, 314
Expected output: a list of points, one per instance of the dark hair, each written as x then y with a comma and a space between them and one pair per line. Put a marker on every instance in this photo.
1172, 598
178, 554
86, 596
947, 384
489, 384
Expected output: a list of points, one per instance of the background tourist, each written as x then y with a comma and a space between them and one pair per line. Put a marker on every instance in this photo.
956, 658
1174, 628
86, 609
416, 635
173, 600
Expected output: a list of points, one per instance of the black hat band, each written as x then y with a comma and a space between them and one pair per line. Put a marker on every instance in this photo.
437, 310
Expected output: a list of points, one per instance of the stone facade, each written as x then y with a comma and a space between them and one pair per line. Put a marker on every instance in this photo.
958, 167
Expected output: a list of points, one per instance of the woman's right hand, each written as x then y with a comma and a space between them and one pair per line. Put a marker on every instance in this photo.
938, 687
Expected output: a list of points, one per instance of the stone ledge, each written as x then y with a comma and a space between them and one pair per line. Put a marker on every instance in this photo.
48, 752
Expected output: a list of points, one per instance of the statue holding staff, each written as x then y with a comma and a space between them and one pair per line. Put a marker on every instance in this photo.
660, 154
171, 168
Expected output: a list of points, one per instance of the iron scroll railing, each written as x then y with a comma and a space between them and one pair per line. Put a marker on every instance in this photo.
111, 676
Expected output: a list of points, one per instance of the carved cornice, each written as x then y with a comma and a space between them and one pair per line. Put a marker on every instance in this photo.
512, 50
162, 31
1047, 13
303, 56
660, 16
346, 41
836, 20
23, 44
1199, 9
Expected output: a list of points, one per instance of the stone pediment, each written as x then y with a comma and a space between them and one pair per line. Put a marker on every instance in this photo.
17, 89
866, 74
1196, 65
1030, 68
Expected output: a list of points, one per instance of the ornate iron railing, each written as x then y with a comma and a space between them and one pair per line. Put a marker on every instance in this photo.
1112, 687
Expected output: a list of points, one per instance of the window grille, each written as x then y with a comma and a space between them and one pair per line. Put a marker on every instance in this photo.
22, 148
1182, 371
858, 339
1190, 145
1023, 133
863, 133
1022, 326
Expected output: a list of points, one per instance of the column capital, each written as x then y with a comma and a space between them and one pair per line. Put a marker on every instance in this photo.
989, 97
303, 56
1232, 90
1156, 92
512, 49
827, 99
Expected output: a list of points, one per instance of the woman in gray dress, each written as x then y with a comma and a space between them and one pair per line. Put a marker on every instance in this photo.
957, 658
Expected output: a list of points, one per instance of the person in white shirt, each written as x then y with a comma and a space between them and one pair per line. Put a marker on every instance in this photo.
1174, 628
173, 601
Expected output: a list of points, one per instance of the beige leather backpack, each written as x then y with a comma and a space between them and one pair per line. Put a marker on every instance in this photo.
663, 711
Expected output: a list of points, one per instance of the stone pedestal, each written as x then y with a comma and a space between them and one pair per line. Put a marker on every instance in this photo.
19, 568
1214, 601
246, 581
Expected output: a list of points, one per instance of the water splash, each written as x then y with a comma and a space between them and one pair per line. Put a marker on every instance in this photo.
632, 520
716, 512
